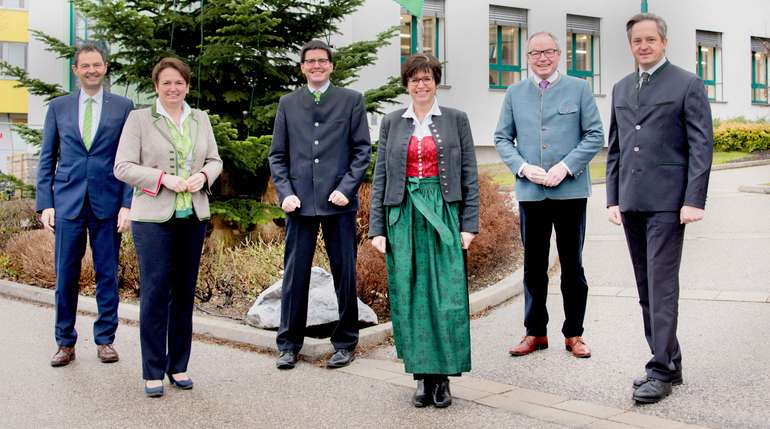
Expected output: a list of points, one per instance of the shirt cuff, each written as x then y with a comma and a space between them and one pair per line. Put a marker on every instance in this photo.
521, 170
154, 192
567, 168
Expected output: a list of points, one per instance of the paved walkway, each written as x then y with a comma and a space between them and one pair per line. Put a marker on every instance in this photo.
723, 332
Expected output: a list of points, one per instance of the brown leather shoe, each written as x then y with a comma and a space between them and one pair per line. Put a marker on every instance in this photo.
63, 356
106, 353
528, 345
577, 347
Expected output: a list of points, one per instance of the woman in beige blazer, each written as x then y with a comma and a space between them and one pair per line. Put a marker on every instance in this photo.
168, 154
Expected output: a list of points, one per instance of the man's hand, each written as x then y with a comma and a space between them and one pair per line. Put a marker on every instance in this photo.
47, 218
690, 214
613, 215
195, 182
124, 223
534, 173
379, 243
338, 199
555, 175
466, 238
290, 204
175, 183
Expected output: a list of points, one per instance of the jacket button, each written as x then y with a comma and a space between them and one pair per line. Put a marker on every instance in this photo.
316, 161
636, 148
638, 127
316, 125
315, 142
545, 146
446, 192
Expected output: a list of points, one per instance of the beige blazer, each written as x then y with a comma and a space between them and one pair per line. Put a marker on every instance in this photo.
146, 152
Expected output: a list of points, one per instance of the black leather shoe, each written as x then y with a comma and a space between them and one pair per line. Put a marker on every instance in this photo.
675, 381
423, 396
340, 358
286, 360
652, 391
442, 398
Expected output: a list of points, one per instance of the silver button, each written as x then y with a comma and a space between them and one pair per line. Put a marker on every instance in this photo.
315, 142
316, 161
437, 136
316, 124
439, 140
636, 148
638, 127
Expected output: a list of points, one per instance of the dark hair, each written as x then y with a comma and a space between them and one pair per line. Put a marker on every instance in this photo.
313, 45
420, 63
89, 47
172, 63
639, 17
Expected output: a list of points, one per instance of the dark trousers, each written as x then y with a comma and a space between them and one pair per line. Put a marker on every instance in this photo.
70, 236
568, 219
169, 257
339, 232
655, 242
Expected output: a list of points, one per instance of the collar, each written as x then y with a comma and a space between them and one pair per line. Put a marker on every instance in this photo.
322, 88
654, 68
434, 111
186, 110
97, 98
551, 79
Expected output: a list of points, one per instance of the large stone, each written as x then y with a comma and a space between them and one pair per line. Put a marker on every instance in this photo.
322, 305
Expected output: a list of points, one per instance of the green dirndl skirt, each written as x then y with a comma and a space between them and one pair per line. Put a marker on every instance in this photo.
427, 282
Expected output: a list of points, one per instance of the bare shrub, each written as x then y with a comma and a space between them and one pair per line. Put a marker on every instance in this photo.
17, 216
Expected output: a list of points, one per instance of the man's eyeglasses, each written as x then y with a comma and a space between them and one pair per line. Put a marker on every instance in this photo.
549, 53
319, 61
427, 80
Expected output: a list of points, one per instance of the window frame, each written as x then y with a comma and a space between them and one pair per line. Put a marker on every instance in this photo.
754, 83
499, 67
22, 5
708, 83
574, 71
4, 46
413, 48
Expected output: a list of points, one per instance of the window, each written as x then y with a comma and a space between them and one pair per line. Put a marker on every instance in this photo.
709, 66
426, 34
507, 27
583, 49
13, 4
15, 54
760, 51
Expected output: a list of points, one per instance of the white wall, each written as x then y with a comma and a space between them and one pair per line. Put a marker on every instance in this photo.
467, 41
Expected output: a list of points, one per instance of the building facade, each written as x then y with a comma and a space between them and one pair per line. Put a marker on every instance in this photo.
483, 46
23, 166
14, 48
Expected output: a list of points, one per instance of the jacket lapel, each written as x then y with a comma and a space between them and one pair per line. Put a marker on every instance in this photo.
161, 125
74, 117
194, 127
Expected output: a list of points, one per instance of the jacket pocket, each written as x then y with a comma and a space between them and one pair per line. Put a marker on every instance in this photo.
62, 176
567, 108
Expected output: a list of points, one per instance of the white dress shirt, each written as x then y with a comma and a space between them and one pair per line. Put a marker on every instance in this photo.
652, 69
422, 129
323, 88
96, 111
186, 110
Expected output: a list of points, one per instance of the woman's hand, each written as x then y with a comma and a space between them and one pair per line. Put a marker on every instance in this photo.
174, 183
379, 243
195, 182
466, 238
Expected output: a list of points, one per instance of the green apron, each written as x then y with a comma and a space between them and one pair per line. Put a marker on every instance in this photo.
427, 283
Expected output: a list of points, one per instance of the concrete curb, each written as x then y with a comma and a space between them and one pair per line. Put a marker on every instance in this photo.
757, 189
232, 331
725, 166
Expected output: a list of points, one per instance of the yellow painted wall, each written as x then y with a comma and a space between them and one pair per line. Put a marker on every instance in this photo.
15, 25
13, 100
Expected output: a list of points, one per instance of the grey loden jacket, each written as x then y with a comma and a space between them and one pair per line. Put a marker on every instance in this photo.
457, 166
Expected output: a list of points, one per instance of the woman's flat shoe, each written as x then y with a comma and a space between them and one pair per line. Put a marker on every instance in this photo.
153, 392
181, 384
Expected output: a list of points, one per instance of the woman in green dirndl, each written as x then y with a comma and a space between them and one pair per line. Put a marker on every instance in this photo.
424, 215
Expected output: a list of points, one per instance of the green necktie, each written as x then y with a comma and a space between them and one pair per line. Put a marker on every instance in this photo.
87, 120
317, 96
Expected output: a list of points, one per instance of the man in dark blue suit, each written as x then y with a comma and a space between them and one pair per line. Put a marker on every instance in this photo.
79, 197
319, 156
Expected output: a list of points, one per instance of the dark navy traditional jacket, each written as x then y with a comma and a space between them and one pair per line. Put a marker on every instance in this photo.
320, 148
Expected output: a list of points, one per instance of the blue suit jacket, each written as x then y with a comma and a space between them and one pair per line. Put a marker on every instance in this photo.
67, 172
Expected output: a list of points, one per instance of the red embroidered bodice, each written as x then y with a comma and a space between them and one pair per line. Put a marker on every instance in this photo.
422, 157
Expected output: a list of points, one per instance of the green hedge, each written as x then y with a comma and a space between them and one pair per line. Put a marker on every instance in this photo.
742, 137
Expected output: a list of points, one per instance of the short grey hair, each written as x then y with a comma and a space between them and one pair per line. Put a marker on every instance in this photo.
544, 33
639, 17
